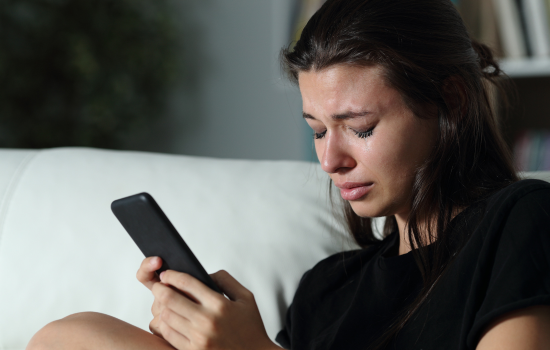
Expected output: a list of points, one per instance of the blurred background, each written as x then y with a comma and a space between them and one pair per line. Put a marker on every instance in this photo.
202, 77
189, 77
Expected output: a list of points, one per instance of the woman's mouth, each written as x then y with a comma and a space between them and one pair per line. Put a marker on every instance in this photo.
354, 191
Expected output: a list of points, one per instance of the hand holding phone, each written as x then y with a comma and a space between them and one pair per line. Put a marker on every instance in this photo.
147, 274
155, 235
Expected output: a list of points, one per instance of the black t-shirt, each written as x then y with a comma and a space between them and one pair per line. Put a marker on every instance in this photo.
349, 299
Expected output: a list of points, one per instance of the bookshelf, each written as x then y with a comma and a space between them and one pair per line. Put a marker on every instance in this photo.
531, 110
526, 67
529, 114
519, 32
527, 124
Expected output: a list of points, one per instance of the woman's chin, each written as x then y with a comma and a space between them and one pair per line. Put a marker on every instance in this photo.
367, 210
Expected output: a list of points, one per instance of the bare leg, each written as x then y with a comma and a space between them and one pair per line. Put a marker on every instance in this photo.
92, 330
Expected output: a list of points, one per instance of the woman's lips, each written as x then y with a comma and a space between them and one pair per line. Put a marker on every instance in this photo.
353, 192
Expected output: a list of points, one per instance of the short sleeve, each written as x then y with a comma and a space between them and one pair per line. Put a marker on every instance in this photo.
516, 260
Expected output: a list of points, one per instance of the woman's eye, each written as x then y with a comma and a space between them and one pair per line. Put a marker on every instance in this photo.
364, 134
317, 135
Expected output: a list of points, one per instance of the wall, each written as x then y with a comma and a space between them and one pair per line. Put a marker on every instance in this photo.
234, 103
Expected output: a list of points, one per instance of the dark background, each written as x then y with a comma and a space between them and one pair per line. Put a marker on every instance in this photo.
197, 77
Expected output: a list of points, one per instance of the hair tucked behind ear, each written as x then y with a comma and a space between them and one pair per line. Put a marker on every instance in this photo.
486, 60
428, 56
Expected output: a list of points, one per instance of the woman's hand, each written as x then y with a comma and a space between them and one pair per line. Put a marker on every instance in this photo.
192, 316
148, 277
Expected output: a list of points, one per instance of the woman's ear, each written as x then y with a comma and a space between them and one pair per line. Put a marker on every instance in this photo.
454, 94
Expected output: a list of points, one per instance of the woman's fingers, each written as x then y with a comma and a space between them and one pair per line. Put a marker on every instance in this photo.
230, 286
156, 309
154, 326
172, 335
146, 273
165, 325
168, 298
194, 315
173, 322
190, 287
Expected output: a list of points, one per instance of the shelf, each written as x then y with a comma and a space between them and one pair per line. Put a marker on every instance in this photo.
526, 68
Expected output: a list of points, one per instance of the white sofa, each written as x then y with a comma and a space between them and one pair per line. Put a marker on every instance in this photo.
62, 250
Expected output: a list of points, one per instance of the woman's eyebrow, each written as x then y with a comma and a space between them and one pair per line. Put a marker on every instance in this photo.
343, 116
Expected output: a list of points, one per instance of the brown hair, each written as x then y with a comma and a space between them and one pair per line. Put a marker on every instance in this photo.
427, 56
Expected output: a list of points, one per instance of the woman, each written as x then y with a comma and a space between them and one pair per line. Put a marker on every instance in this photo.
394, 91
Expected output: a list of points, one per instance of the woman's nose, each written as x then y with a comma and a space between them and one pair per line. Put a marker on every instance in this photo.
335, 156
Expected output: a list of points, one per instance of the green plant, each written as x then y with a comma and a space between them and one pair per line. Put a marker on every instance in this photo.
83, 72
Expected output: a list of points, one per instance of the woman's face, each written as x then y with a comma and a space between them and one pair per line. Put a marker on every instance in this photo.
366, 138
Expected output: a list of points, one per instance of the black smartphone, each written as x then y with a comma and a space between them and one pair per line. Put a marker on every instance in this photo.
155, 235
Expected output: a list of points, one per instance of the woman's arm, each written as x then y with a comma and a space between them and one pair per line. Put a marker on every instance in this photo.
526, 329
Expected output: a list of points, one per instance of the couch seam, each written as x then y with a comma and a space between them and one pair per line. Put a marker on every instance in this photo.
10, 190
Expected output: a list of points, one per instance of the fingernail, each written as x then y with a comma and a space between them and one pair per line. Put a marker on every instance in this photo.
153, 260
161, 275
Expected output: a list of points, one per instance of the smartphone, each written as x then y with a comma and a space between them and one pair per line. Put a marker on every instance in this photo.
155, 235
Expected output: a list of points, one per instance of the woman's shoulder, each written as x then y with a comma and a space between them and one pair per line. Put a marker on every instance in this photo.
516, 209
505, 260
338, 268
511, 194
508, 225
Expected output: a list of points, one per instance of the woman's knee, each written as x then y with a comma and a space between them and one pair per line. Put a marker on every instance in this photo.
86, 317
71, 332
93, 330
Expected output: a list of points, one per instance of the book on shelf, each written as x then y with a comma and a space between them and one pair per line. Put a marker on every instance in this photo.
536, 23
532, 150
523, 23
510, 28
515, 29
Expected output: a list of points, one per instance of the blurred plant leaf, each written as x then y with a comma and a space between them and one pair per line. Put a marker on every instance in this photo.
83, 72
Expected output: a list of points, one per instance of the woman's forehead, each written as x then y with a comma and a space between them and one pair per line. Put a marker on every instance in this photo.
343, 74
344, 88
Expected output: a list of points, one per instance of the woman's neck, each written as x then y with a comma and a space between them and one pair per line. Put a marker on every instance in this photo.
404, 244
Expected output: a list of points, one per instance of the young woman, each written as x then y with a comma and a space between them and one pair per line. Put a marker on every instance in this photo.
395, 92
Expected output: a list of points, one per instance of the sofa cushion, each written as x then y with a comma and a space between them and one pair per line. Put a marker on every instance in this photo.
62, 250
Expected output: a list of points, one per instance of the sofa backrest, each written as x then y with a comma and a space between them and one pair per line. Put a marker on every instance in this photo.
62, 250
